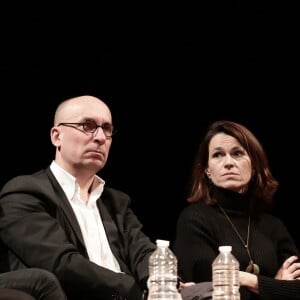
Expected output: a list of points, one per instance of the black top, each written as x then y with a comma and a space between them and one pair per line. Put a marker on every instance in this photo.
202, 228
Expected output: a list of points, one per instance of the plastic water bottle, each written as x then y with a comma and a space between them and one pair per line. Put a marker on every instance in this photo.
225, 275
163, 279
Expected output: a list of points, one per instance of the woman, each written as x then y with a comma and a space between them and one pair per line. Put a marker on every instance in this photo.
231, 188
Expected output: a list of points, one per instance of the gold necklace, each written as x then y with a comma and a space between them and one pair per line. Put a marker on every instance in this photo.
252, 267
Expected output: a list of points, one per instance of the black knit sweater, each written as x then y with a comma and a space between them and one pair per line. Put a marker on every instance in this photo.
202, 228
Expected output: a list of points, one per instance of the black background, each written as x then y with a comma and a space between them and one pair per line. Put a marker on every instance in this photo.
166, 73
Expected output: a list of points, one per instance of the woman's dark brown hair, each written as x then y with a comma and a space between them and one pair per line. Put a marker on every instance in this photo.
263, 185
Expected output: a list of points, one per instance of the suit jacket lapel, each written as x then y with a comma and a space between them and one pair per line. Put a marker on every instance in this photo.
111, 229
65, 206
112, 234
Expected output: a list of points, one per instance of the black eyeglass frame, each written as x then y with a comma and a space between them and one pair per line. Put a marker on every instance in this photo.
90, 126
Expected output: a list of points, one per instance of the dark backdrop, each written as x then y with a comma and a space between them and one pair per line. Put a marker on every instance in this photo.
166, 74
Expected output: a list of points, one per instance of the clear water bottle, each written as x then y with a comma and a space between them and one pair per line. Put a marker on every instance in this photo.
162, 281
225, 275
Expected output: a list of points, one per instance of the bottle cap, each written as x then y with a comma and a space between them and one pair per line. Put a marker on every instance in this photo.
225, 248
162, 243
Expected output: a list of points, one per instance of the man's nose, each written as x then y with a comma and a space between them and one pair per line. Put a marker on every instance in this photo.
99, 133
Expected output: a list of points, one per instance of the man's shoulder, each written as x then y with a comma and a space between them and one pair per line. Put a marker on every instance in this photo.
24, 182
113, 193
115, 199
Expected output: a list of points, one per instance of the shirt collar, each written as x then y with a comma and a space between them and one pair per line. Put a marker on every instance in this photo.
69, 184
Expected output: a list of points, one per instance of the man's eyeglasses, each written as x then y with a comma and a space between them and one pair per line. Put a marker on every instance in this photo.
90, 126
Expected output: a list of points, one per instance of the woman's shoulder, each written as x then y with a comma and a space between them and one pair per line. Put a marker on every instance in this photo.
198, 210
270, 219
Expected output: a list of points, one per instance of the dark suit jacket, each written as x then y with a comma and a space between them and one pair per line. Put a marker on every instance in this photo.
14, 294
39, 229
30, 283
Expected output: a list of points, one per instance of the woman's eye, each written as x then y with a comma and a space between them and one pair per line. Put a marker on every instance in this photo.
238, 153
217, 154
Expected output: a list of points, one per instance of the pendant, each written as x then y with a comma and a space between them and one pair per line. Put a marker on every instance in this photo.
252, 268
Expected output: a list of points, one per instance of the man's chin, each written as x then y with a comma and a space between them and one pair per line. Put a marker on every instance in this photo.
95, 164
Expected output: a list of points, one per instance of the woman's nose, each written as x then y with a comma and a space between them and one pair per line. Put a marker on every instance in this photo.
228, 161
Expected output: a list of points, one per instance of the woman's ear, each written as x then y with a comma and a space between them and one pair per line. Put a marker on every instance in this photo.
207, 173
